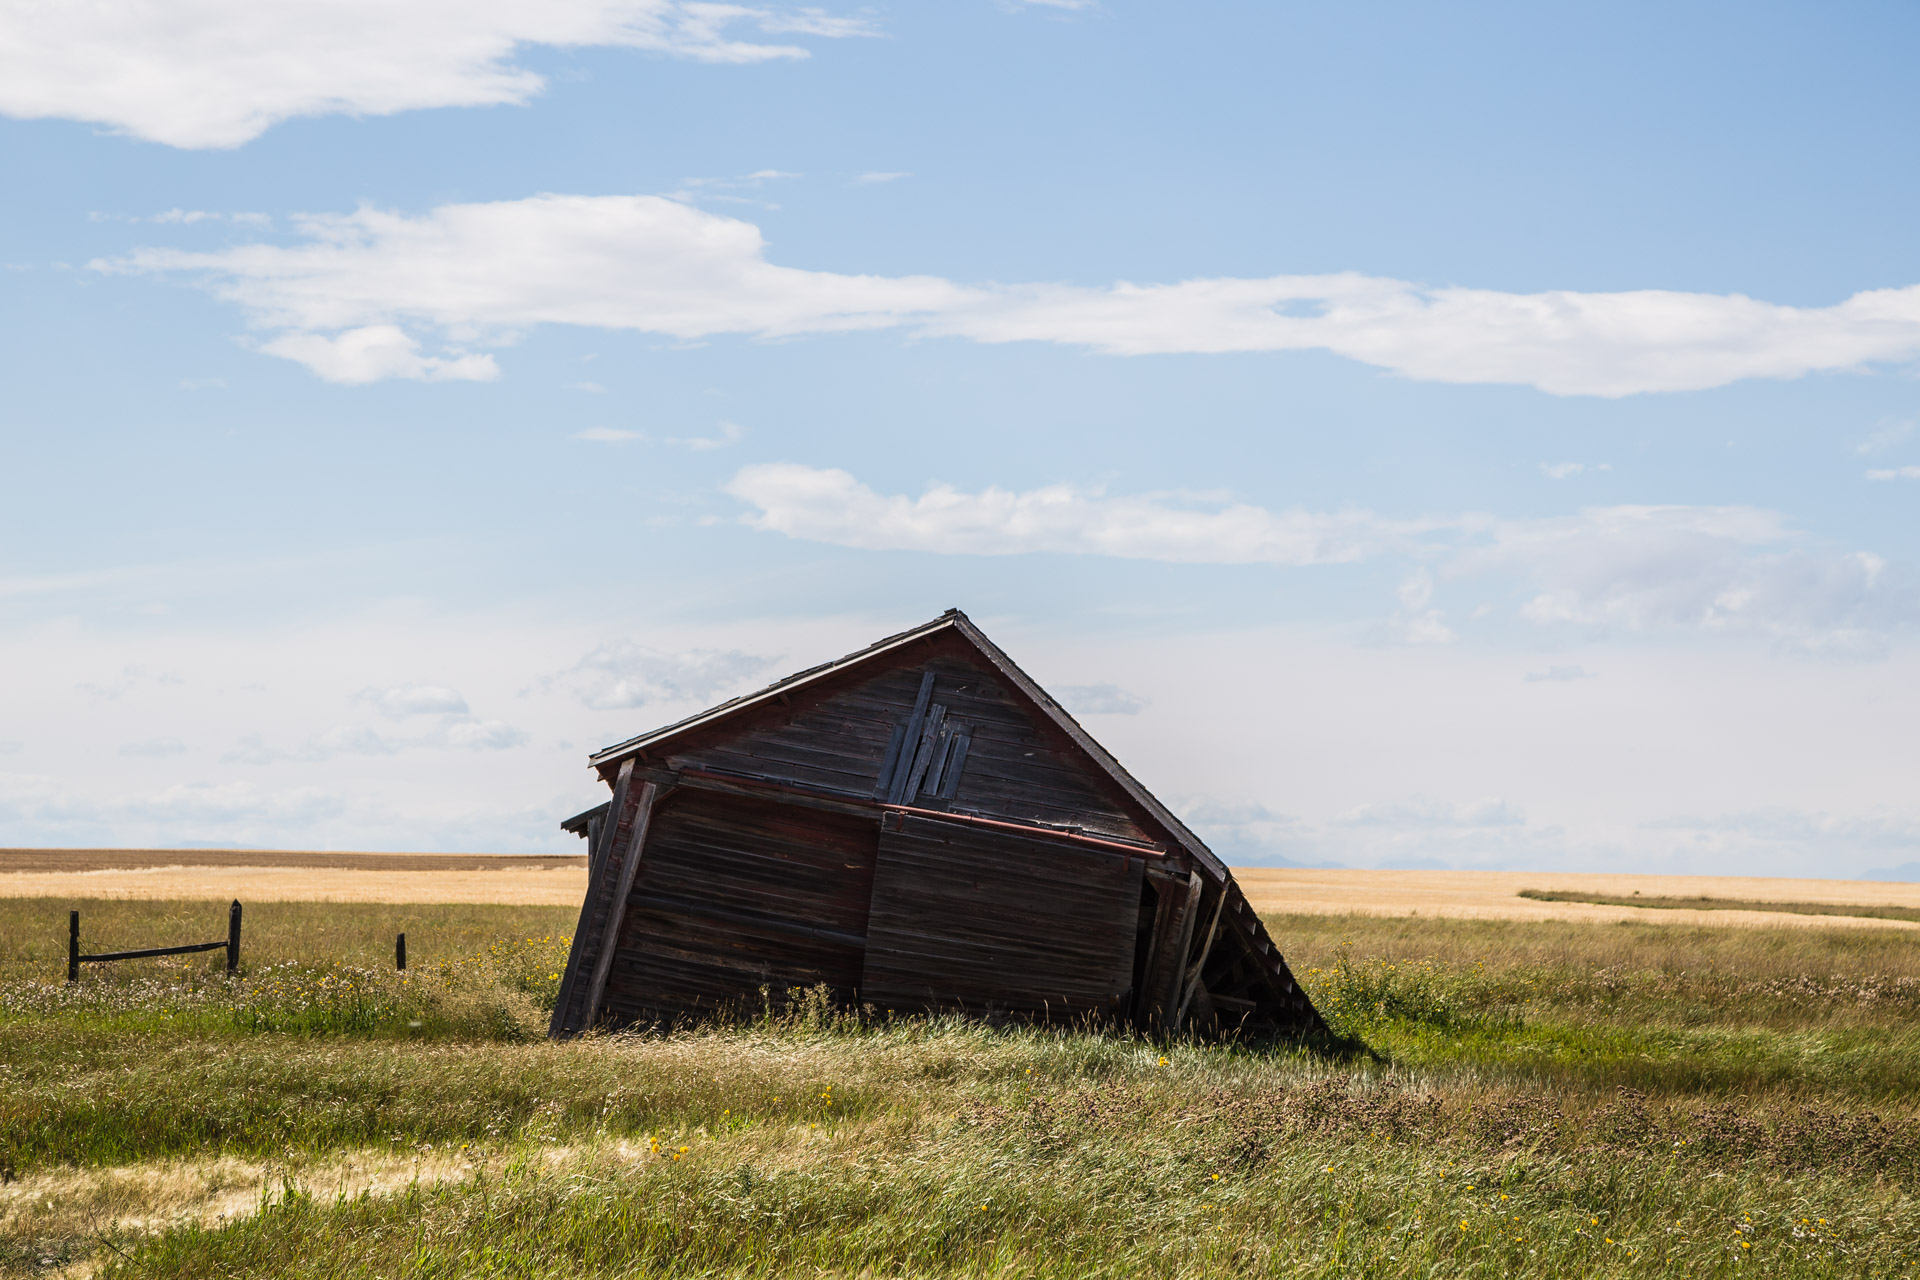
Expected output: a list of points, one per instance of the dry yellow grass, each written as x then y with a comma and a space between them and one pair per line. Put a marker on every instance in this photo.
286, 875
1494, 895
269, 876
515, 886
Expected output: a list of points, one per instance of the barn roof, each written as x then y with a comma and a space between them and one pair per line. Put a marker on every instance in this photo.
955, 622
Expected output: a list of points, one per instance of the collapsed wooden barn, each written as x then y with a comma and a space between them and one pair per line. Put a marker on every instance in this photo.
919, 827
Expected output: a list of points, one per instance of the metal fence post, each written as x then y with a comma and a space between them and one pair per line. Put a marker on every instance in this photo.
400, 952
73, 947
233, 938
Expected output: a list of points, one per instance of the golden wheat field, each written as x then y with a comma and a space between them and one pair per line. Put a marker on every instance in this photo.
555, 880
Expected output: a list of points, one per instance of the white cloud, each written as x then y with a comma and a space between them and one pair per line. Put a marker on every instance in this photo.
727, 190
831, 506
728, 434
190, 216
414, 699
375, 352
1832, 839
186, 810
483, 735
9, 746
869, 179
1100, 700
1728, 569
130, 678
1885, 435
1245, 832
488, 272
1731, 569
1561, 470
154, 747
456, 731
1894, 473
624, 675
218, 73
1418, 624
1422, 812
1559, 675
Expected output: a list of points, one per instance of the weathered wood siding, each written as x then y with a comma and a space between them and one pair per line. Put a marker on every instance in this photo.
734, 894
1017, 765
993, 922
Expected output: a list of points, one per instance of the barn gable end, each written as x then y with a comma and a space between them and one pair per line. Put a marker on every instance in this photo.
917, 826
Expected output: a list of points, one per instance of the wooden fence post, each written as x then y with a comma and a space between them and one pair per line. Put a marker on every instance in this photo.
400, 952
233, 938
73, 947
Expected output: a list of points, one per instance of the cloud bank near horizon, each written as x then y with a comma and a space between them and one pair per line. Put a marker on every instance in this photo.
352, 300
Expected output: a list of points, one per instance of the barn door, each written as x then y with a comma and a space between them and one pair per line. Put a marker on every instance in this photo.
992, 921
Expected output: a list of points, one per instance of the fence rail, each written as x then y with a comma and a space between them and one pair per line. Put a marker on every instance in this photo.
75, 959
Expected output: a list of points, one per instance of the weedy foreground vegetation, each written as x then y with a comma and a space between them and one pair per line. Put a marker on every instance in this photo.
1499, 1099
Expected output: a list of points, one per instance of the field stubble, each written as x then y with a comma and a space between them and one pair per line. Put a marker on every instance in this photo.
1502, 1097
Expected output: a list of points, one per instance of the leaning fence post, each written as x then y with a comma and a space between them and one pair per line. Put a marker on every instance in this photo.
400, 952
233, 938
73, 946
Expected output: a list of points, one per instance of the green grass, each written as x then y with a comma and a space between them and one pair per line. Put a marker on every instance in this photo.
1499, 1099
1723, 904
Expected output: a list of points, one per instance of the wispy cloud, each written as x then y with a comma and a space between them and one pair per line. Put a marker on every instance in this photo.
1832, 838
831, 506
1100, 700
344, 301
154, 747
1728, 569
625, 674
405, 700
187, 217
729, 433
1561, 470
1885, 435
218, 73
461, 732
1423, 812
1894, 473
129, 679
730, 190
1559, 675
869, 179
609, 435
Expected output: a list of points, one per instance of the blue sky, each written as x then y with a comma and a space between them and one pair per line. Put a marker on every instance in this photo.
1471, 438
